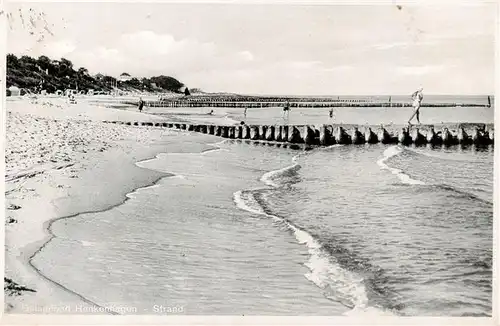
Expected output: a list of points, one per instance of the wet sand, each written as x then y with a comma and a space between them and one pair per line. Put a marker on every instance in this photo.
62, 160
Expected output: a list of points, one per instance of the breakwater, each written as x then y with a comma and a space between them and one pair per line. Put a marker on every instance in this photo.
255, 101
296, 104
329, 134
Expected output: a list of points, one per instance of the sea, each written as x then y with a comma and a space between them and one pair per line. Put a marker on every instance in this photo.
246, 228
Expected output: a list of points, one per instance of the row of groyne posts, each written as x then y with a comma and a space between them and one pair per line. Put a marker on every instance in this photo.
326, 135
322, 104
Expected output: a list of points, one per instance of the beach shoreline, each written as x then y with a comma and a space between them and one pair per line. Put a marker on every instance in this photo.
87, 180
60, 189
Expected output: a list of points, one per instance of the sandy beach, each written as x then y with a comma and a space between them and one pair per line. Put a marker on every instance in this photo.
86, 232
61, 160
342, 165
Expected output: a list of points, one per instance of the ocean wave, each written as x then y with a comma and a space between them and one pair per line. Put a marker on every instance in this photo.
215, 149
280, 174
441, 155
330, 147
405, 178
270, 177
217, 144
337, 283
247, 202
463, 193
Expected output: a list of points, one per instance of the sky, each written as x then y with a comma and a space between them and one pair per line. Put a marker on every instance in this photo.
270, 48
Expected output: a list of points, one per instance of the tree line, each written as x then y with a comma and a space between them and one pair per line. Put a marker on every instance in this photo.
43, 73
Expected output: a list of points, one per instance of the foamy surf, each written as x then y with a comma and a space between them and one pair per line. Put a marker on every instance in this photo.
133, 194
217, 144
330, 147
269, 177
246, 201
296, 157
211, 150
337, 284
393, 151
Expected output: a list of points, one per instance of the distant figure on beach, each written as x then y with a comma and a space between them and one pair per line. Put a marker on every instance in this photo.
141, 104
245, 112
331, 113
286, 109
417, 97
211, 112
71, 98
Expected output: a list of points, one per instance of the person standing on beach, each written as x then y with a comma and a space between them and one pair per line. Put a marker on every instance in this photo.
331, 113
141, 104
417, 97
245, 112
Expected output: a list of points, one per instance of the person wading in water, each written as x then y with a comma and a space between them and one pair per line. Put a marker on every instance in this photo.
141, 104
417, 101
286, 109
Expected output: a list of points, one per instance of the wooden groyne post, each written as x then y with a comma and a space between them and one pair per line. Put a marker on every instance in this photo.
329, 134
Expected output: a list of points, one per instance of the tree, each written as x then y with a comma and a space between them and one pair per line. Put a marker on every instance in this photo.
44, 63
62, 70
146, 82
109, 81
31, 73
186, 92
67, 63
50, 88
83, 71
134, 82
167, 83
12, 61
27, 60
65, 68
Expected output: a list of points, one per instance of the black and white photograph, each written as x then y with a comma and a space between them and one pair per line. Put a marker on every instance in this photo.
245, 159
